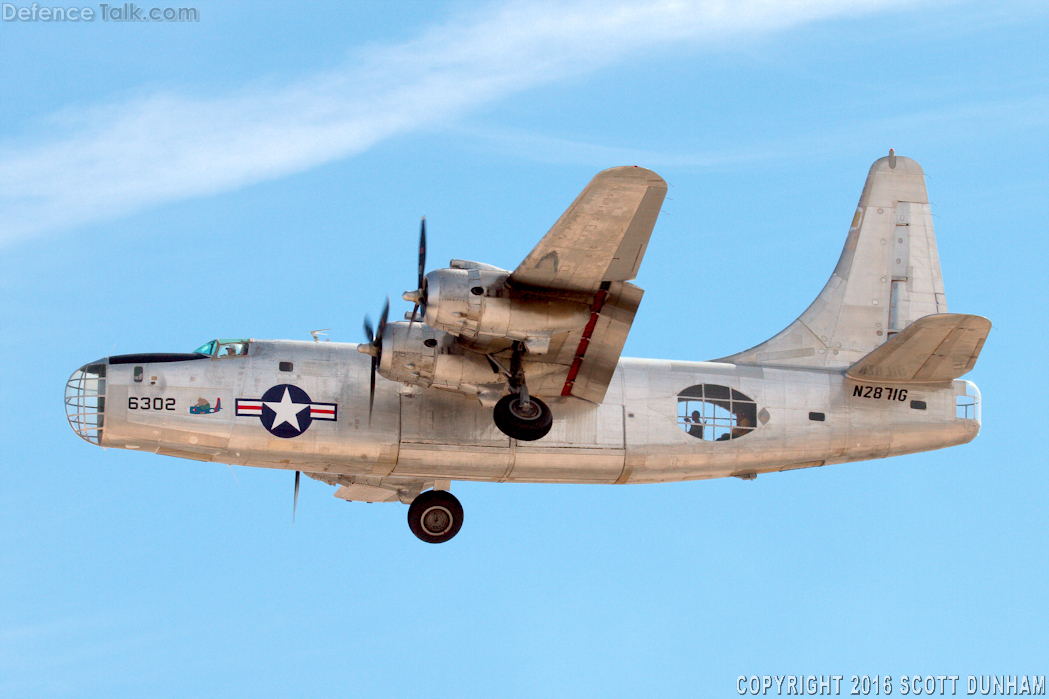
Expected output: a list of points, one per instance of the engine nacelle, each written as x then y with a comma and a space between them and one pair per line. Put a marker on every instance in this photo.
420, 355
475, 303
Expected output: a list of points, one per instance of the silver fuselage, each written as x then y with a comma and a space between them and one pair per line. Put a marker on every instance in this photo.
634, 436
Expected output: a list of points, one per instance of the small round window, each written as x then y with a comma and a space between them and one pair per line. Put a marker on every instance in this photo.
715, 413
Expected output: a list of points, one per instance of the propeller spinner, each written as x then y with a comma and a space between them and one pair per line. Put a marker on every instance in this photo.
418, 297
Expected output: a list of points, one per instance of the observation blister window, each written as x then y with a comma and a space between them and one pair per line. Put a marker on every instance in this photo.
715, 413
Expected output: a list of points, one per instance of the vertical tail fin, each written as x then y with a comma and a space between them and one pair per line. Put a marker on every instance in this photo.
888, 276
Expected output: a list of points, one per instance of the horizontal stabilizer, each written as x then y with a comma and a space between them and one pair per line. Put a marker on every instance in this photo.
932, 349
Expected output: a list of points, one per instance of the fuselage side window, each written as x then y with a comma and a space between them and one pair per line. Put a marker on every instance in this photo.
715, 413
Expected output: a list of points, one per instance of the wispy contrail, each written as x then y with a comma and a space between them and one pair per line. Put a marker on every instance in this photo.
115, 159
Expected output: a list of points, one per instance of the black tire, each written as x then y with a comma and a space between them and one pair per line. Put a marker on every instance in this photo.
435, 516
526, 426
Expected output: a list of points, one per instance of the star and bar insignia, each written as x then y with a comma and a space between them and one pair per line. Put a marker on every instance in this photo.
286, 411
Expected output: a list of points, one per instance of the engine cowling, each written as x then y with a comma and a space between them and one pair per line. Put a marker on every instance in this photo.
475, 304
419, 355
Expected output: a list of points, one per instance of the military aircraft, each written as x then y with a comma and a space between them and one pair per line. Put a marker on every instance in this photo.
516, 376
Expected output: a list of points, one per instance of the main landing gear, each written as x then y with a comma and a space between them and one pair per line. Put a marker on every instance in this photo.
435, 516
525, 421
519, 415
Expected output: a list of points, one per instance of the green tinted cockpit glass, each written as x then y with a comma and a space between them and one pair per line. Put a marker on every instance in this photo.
207, 348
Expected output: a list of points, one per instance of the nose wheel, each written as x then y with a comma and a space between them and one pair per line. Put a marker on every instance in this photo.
435, 516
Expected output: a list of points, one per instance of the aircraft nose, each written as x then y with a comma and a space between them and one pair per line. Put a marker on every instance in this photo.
86, 400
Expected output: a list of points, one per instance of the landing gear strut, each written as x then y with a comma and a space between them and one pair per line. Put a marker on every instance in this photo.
435, 516
519, 415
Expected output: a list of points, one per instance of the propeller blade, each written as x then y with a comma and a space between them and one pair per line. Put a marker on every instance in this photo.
382, 323
419, 295
375, 350
422, 253
371, 397
295, 502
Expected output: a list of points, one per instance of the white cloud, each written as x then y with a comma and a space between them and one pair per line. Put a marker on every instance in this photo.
956, 123
114, 159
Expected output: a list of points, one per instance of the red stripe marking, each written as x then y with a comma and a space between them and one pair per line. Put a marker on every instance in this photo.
322, 411
584, 342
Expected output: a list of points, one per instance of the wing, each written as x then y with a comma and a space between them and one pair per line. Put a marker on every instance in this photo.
600, 238
932, 349
592, 251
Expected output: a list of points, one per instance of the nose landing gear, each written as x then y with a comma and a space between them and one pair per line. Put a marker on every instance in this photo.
435, 516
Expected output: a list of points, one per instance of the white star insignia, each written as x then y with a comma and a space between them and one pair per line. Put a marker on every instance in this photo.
286, 411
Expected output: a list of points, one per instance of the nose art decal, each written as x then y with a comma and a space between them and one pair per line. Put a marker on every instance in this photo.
204, 407
286, 411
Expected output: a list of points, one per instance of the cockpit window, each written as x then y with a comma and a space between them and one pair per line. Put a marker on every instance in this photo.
715, 413
232, 348
222, 349
207, 348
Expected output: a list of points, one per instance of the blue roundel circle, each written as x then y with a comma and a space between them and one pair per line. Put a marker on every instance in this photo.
286, 411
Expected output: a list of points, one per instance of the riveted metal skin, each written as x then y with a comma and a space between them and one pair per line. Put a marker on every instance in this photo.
877, 356
633, 437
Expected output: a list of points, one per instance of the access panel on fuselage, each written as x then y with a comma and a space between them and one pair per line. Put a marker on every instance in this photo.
445, 435
306, 404
169, 406
448, 435
586, 443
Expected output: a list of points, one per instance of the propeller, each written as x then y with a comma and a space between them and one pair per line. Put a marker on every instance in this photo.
418, 297
295, 502
374, 348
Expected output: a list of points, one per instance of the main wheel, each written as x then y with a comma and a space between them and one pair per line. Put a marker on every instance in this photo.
526, 424
435, 516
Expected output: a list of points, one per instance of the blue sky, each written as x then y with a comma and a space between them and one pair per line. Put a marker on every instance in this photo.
262, 172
